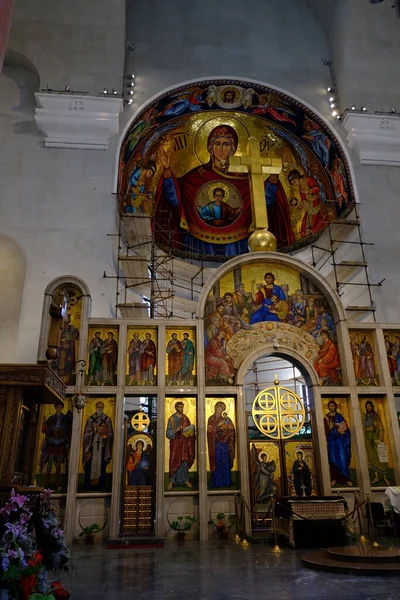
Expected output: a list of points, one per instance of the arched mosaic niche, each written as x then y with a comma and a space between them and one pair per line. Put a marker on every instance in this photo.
267, 304
174, 165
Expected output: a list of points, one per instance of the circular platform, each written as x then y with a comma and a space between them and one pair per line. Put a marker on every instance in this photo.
363, 553
358, 559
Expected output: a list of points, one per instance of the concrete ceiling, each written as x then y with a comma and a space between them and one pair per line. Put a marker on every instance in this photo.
323, 10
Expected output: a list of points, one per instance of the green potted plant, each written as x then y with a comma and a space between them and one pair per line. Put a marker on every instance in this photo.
182, 525
88, 532
222, 524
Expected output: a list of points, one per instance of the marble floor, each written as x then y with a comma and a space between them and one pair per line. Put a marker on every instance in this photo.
214, 570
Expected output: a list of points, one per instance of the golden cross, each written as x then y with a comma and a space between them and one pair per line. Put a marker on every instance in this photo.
140, 421
257, 166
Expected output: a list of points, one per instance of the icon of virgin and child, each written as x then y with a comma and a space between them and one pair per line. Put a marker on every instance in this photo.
211, 207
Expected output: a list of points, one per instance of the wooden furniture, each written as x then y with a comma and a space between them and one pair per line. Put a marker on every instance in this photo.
23, 388
312, 521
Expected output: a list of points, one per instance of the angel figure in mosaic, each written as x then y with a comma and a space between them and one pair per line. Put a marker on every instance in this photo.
264, 487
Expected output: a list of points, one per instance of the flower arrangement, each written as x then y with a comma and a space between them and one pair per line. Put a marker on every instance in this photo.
58, 590
223, 523
49, 536
23, 569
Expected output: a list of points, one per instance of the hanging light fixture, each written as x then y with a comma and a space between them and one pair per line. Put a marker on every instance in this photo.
79, 400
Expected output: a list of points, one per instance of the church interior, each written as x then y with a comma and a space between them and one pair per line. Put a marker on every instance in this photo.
199, 283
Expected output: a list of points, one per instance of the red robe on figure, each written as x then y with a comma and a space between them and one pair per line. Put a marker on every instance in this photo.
314, 222
328, 361
186, 219
181, 448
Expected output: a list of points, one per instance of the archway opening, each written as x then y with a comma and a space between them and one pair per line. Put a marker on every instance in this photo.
282, 462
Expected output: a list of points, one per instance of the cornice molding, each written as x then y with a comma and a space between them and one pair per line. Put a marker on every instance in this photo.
77, 122
375, 138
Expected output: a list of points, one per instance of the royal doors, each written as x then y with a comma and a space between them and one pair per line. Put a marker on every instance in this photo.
281, 457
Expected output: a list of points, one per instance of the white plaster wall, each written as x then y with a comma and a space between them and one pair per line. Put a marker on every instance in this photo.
275, 41
379, 189
365, 49
364, 42
90, 510
12, 279
58, 205
71, 42
180, 507
378, 192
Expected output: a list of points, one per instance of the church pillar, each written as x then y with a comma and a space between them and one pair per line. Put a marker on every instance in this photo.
70, 507
391, 412
161, 517
76, 435
118, 447
243, 457
346, 358
201, 435
319, 442
358, 446
45, 327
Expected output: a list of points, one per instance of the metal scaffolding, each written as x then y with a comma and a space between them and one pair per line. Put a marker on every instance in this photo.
155, 265
169, 286
349, 277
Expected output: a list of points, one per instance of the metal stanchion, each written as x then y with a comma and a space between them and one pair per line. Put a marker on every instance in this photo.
238, 517
276, 548
374, 543
363, 539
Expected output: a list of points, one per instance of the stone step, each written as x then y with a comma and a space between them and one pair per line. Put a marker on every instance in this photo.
353, 560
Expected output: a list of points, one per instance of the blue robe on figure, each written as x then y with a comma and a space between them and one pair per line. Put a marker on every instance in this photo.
134, 179
221, 450
264, 313
141, 475
339, 447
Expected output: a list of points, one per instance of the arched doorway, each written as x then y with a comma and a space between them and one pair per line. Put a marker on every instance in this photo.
278, 400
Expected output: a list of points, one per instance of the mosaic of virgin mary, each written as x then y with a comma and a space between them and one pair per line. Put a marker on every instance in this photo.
211, 207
